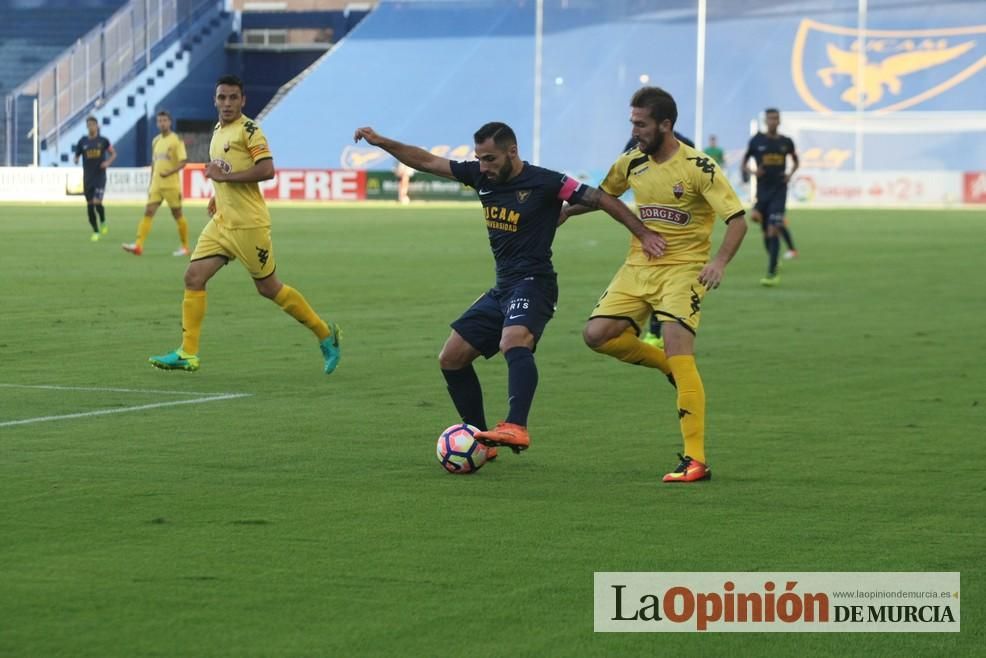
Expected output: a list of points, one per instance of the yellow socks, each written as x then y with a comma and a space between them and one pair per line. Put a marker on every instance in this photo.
691, 405
289, 299
294, 304
143, 229
192, 313
627, 347
182, 231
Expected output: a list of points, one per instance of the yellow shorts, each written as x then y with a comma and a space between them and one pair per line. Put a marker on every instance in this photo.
170, 195
252, 246
672, 292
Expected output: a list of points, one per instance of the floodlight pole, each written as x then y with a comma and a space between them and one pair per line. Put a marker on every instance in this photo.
538, 64
36, 132
754, 129
8, 126
860, 75
700, 76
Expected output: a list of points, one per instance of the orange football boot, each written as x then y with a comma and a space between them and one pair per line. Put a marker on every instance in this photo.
490, 454
510, 435
689, 470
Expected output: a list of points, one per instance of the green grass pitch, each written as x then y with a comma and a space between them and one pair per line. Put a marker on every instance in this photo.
846, 415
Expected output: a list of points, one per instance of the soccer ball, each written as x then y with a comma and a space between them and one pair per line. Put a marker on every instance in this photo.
458, 452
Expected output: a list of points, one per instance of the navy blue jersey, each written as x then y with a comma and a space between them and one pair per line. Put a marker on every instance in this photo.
521, 216
93, 151
771, 154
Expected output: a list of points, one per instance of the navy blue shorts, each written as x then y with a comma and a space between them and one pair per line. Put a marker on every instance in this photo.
530, 303
771, 206
93, 190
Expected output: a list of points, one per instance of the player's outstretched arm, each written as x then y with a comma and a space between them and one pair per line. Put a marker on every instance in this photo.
711, 275
412, 156
571, 210
652, 242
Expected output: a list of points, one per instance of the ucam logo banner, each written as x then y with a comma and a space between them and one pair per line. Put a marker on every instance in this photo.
834, 69
751, 602
290, 185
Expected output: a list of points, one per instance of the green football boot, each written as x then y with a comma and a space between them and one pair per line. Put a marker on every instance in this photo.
331, 351
176, 360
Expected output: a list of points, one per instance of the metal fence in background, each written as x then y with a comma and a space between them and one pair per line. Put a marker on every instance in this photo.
92, 69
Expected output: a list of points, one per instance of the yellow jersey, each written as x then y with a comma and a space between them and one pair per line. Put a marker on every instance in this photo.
237, 147
679, 199
166, 153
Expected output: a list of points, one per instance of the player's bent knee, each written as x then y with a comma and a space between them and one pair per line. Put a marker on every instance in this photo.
451, 360
193, 281
447, 362
507, 344
597, 334
268, 287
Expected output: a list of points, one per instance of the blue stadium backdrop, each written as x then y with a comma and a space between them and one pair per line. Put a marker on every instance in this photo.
431, 71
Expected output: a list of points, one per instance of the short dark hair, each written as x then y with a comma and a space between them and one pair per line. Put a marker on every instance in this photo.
164, 113
771, 110
230, 80
659, 102
91, 118
502, 134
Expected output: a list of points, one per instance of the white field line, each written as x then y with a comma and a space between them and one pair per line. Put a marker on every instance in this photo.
52, 387
120, 410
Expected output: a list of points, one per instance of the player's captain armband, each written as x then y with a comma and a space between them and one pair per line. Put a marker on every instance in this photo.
568, 188
259, 152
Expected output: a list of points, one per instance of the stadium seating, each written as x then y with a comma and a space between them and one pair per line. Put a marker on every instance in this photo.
438, 70
120, 113
30, 38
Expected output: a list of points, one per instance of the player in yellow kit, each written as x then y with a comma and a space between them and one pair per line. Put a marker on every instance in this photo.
679, 193
239, 229
168, 159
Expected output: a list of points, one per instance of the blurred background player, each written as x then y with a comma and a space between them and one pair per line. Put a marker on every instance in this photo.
97, 154
771, 150
521, 204
240, 228
680, 192
403, 174
788, 240
168, 158
714, 152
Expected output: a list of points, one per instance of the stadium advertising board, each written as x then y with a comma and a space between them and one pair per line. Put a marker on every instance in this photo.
33, 183
877, 188
974, 187
289, 185
382, 185
122, 183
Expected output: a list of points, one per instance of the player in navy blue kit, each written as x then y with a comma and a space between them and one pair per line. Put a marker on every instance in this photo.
771, 150
521, 205
97, 154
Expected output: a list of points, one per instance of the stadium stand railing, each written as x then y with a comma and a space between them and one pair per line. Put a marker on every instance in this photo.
100, 63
